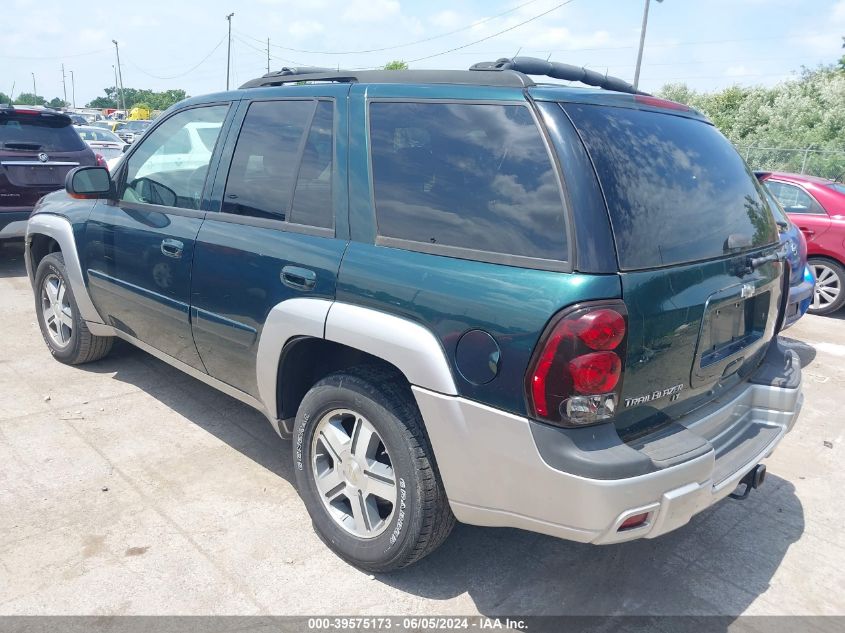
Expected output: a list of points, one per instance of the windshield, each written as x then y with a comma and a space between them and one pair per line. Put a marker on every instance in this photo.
136, 126
89, 134
675, 188
28, 132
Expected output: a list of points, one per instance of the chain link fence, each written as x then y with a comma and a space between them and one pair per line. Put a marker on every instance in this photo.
814, 162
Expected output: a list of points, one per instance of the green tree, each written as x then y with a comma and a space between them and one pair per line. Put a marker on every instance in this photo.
396, 64
4, 98
55, 102
134, 97
27, 98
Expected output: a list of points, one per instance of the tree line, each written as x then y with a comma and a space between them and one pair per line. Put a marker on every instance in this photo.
794, 125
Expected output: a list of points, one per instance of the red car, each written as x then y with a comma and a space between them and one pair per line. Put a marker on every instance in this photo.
817, 207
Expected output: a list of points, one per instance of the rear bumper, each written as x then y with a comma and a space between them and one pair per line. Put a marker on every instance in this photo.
495, 475
13, 222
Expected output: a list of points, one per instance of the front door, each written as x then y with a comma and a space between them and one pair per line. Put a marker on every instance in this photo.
280, 231
139, 248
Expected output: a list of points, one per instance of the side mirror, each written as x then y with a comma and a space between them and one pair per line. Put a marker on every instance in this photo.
88, 182
126, 146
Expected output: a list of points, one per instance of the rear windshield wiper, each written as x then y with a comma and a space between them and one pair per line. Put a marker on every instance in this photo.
23, 146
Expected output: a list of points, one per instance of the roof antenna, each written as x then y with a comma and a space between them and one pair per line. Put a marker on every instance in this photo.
12, 95
517, 52
550, 55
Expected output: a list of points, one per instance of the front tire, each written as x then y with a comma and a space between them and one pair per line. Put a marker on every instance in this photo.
829, 293
64, 331
366, 471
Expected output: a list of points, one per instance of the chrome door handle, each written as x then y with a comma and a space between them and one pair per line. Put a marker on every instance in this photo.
172, 248
299, 278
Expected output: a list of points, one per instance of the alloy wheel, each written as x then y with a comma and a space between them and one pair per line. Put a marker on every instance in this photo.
828, 286
353, 473
56, 310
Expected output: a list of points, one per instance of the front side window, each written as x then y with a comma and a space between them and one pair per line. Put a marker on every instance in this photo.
793, 198
282, 166
476, 177
170, 166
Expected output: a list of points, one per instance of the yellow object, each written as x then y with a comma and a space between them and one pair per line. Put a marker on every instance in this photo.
139, 114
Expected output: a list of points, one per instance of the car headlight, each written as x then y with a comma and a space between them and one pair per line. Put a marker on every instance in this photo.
808, 275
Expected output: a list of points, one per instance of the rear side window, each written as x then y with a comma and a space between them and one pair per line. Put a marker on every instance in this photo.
675, 188
793, 198
37, 133
282, 166
465, 180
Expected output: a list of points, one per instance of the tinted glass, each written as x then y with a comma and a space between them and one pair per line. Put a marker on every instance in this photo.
793, 198
35, 133
774, 205
837, 187
466, 175
676, 189
312, 202
171, 163
263, 170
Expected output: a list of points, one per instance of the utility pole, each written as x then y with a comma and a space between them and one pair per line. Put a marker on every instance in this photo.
73, 89
116, 90
268, 55
642, 43
229, 49
64, 86
34, 91
119, 73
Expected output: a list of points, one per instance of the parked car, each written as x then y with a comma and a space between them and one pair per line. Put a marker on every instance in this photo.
78, 119
817, 207
38, 147
105, 144
106, 124
131, 131
389, 266
801, 279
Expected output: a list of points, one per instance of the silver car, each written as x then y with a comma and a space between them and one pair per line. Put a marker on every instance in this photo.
105, 143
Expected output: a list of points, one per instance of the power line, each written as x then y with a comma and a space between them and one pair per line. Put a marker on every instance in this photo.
406, 44
489, 37
191, 69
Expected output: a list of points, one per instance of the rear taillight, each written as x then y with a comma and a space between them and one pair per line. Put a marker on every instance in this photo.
575, 375
101, 162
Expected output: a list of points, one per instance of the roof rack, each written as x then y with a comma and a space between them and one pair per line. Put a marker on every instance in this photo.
314, 73
556, 70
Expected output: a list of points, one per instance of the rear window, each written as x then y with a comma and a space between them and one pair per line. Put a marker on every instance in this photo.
466, 180
675, 188
837, 187
35, 132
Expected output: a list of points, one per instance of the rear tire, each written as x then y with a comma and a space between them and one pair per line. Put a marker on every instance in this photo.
65, 332
356, 432
829, 293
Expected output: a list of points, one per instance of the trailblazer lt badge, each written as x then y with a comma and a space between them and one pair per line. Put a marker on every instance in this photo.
672, 392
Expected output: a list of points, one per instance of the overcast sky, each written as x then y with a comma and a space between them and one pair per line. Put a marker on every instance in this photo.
181, 44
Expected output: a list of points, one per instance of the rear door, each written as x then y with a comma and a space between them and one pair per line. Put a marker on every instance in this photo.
688, 218
37, 150
139, 248
803, 209
279, 227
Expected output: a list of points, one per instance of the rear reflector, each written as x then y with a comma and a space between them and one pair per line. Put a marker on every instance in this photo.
634, 521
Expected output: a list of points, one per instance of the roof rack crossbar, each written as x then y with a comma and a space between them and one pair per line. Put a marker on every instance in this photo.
556, 70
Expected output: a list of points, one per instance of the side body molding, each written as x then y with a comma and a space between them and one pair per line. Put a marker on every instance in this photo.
407, 345
287, 320
60, 230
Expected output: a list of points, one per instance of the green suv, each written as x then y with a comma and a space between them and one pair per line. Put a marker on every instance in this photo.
463, 295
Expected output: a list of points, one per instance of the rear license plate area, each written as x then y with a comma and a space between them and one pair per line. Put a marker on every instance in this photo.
731, 325
38, 175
